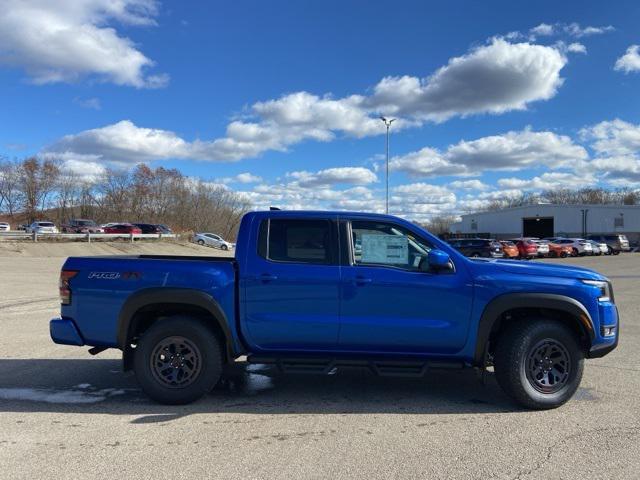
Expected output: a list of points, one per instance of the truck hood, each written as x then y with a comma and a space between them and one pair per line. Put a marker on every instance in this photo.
542, 269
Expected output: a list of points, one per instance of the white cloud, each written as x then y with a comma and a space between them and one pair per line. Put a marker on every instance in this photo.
66, 40
548, 181
574, 30
630, 61
423, 194
576, 47
332, 176
244, 178
613, 138
494, 78
621, 171
509, 151
469, 185
121, 143
543, 30
426, 162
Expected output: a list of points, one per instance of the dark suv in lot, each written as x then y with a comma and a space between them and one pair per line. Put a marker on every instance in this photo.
477, 247
615, 242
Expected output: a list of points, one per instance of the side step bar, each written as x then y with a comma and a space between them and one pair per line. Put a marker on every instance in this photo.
381, 367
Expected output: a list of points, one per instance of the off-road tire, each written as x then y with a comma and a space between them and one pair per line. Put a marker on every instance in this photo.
205, 356
513, 360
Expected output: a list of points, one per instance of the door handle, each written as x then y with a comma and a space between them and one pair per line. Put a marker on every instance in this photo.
362, 280
267, 277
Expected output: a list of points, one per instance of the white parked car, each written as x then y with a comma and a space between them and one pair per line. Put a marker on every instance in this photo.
42, 227
212, 240
580, 246
4, 227
543, 247
598, 248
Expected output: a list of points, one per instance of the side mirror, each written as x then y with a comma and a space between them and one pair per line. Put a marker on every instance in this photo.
437, 260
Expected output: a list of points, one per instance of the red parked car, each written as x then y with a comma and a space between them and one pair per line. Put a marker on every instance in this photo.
526, 248
122, 228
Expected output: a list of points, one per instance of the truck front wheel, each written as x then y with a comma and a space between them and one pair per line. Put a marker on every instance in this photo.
539, 363
177, 360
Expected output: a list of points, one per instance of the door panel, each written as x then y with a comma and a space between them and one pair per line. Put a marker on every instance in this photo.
292, 303
390, 304
399, 311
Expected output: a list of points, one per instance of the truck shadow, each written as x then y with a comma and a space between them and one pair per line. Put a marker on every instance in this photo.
99, 386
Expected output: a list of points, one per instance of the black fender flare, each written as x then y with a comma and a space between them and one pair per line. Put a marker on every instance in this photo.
163, 295
499, 305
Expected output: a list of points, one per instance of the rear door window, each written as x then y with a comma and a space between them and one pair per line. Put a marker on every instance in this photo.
299, 241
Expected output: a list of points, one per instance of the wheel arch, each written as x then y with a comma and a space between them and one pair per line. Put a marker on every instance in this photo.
508, 307
145, 306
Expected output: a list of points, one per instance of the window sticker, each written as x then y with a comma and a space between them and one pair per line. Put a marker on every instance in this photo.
388, 249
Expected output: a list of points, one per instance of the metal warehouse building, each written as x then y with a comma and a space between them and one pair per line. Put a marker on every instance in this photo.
545, 220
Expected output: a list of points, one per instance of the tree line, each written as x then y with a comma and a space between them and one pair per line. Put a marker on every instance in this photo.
40, 189
569, 196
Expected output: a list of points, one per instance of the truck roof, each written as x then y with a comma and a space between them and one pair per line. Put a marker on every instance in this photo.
319, 213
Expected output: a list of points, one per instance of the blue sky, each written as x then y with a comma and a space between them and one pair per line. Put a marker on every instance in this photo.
279, 100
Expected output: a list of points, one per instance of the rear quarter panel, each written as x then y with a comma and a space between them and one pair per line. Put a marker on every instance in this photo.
103, 284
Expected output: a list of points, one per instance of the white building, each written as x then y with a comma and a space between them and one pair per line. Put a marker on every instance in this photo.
547, 220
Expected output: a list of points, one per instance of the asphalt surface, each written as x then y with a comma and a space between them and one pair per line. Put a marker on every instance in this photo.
67, 415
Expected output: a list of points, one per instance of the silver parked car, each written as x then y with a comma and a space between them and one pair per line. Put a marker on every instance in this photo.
42, 227
212, 240
579, 245
598, 248
543, 247
615, 243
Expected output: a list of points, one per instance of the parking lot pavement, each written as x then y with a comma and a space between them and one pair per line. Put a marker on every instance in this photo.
65, 414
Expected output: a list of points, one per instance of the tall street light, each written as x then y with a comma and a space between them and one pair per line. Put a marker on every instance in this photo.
387, 122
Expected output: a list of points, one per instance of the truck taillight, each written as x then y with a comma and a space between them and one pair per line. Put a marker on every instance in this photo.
65, 290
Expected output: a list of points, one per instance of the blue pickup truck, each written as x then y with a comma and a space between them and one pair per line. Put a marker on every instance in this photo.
315, 291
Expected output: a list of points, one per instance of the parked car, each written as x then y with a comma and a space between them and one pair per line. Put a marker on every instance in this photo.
557, 250
527, 249
295, 296
509, 249
616, 243
148, 227
122, 228
163, 228
598, 248
42, 227
4, 227
81, 225
543, 247
579, 246
23, 227
478, 247
212, 240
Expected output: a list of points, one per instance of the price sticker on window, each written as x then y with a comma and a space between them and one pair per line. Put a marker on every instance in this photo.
388, 249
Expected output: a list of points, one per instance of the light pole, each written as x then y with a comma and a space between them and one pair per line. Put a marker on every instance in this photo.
387, 122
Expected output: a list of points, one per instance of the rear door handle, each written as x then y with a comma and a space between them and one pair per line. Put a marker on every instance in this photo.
362, 280
267, 277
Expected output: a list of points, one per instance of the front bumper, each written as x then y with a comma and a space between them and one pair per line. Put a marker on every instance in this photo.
65, 332
608, 317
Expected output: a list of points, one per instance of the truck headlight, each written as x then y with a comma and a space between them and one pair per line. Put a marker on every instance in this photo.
605, 289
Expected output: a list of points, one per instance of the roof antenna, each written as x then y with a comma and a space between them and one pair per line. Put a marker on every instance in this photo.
274, 208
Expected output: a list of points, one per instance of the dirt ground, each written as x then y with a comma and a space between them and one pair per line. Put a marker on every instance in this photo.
63, 249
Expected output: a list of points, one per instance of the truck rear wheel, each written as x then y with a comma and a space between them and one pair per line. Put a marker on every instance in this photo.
177, 360
539, 363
